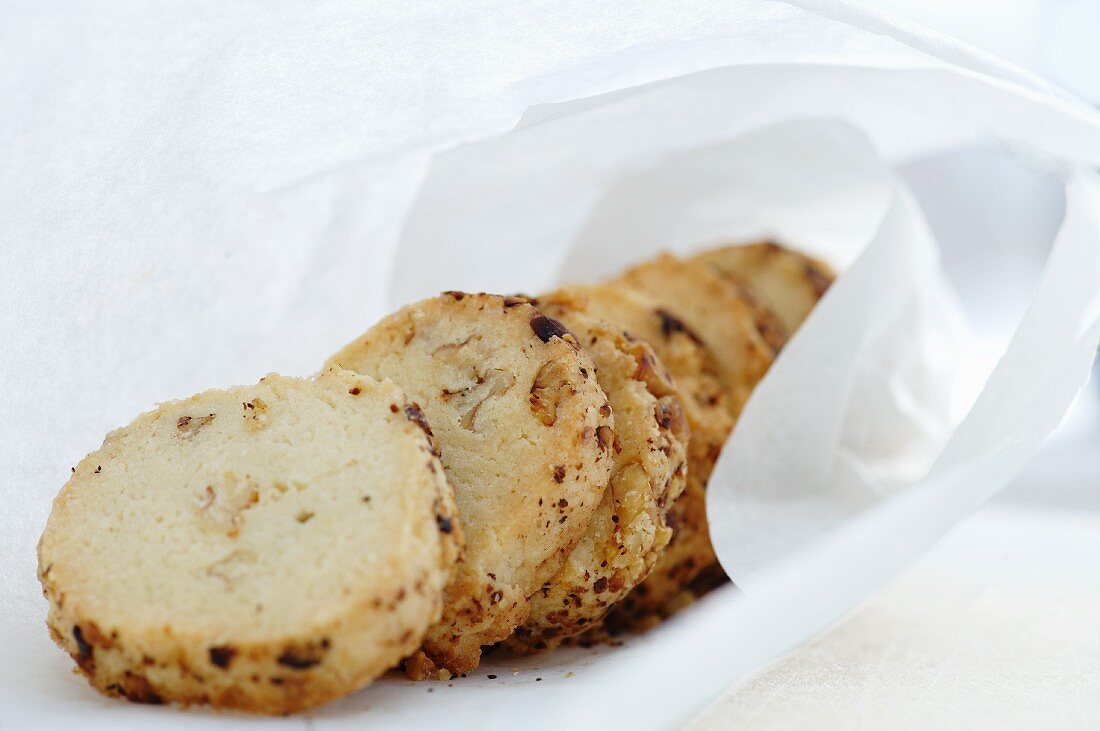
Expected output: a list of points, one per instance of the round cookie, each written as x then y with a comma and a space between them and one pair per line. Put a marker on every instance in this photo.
725, 322
526, 438
629, 529
265, 548
706, 409
768, 324
786, 281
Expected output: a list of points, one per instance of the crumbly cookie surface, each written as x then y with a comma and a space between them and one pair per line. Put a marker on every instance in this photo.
526, 437
706, 408
629, 529
265, 548
788, 282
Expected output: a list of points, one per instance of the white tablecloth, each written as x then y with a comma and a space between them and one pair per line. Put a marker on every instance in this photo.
997, 627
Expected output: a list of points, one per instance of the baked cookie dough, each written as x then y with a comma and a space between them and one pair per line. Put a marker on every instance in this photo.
265, 548
527, 439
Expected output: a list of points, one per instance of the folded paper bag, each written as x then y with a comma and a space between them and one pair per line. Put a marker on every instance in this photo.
234, 181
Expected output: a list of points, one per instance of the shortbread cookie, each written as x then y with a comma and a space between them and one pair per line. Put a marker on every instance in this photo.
705, 402
265, 548
789, 282
629, 529
693, 293
526, 436
771, 328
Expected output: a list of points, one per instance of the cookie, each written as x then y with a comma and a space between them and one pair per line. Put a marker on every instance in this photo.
693, 294
708, 580
526, 436
265, 548
629, 529
706, 408
732, 328
772, 330
786, 281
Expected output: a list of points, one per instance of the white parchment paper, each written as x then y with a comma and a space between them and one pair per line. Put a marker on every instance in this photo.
191, 196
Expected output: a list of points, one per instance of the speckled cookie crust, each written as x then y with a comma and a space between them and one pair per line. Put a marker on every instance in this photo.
527, 440
629, 530
706, 407
265, 548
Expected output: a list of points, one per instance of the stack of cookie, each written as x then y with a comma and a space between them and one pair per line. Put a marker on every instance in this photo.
475, 469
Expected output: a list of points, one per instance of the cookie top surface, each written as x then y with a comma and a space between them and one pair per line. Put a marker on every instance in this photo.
526, 437
298, 528
629, 529
698, 298
789, 282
